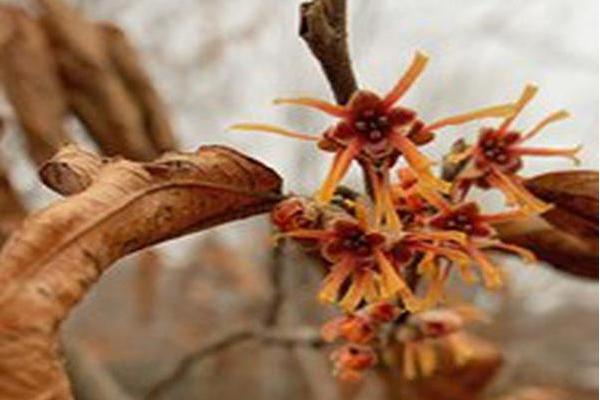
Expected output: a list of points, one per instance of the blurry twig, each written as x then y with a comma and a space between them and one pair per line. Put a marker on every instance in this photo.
297, 337
276, 264
90, 379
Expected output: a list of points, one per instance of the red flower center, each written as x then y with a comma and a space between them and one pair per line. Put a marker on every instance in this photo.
372, 125
460, 221
356, 242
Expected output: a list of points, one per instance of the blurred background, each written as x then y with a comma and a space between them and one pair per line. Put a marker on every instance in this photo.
219, 62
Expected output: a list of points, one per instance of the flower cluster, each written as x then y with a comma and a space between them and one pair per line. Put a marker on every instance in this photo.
414, 226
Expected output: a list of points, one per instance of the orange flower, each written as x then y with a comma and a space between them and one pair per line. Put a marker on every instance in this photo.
425, 334
350, 361
375, 131
361, 326
467, 218
497, 157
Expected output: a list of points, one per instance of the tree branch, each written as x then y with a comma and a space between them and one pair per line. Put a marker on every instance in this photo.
323, 28
299, 337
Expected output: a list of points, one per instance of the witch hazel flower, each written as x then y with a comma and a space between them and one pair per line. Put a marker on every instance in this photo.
426, 335
375, 131
498, 155
466, 217
351, 361
367, 262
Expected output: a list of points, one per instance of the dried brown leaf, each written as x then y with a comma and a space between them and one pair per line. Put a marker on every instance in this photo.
49, 264
567, 235
71, 170
29, 76
95, 91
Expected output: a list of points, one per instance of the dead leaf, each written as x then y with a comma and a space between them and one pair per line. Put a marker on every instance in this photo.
96, 93
71, 170
566, 236
30, 78
58, 253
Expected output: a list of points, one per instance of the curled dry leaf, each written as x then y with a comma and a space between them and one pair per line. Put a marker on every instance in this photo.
51, 261
566, 236
29, 77
94, 89
71, 170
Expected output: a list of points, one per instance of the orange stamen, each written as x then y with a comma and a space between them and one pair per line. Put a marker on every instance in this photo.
451, 254
391, 216
528, 93
334, 280
453, 236
416, 68
526, 255
516, 193
317, 104
434, 198
461, 156
377, 194
392, 283
418, 162
503, 110
427, 359
492, 277
505, 216
371, 293
467, 274
362, 214
410, 361
460, 349
554, 117
273, 129
339, 168
356, 292
543, 152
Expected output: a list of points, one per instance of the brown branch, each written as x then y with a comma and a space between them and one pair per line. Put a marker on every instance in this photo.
277, 296
323, 28
50, 263
300, 337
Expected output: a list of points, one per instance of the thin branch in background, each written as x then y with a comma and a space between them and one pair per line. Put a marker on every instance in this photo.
275, 273
303, 336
